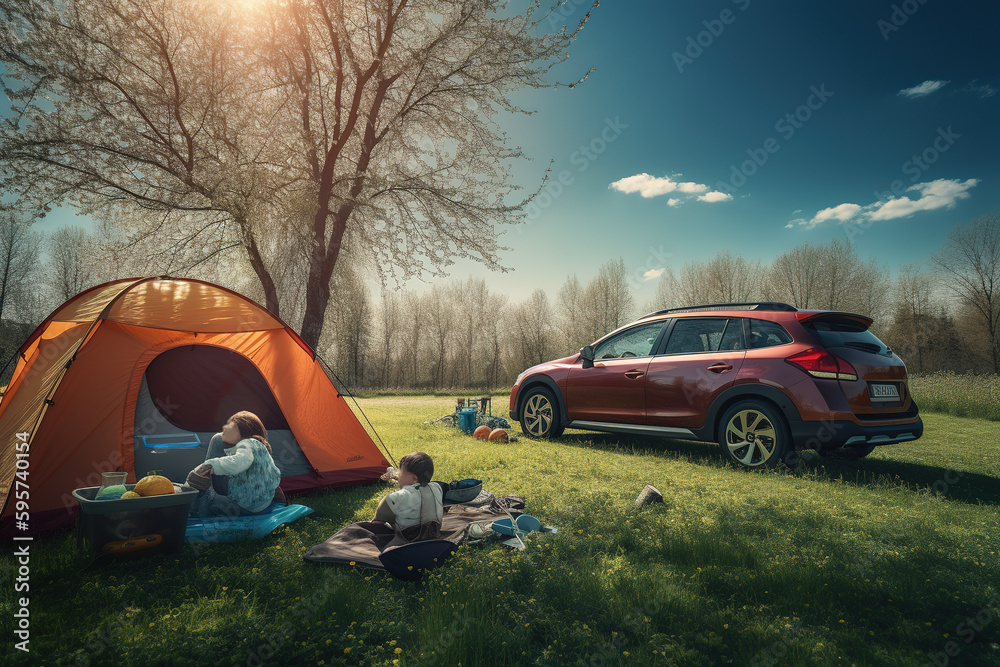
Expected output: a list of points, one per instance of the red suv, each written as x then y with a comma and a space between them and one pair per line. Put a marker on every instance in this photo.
764, 380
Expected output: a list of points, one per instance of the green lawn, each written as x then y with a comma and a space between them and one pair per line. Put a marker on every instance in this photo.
876, 562
959, 394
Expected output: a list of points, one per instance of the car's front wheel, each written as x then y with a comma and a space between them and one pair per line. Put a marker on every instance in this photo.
754, 435
540, 415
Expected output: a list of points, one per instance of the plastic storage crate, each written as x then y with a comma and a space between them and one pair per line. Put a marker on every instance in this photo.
153, 524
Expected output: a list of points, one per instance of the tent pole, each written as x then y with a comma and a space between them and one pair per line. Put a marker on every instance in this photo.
385, 449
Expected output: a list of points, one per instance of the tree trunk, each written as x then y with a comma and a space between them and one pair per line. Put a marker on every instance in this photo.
317, 297
260, 269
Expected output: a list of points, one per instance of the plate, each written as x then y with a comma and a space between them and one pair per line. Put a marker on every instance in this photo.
883, 392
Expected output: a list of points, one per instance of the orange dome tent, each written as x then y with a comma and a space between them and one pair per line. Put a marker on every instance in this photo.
138, 374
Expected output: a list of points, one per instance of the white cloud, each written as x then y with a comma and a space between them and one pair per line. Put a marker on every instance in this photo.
714, 196
926, 88
942, 193
691, 188
983, 91
654, 186
936, 194
843, 213
646, 185
653, 274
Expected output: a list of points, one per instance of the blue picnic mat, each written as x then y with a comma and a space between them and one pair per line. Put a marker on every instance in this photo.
232, 528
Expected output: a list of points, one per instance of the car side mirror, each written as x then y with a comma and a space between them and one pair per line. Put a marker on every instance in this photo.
587, 356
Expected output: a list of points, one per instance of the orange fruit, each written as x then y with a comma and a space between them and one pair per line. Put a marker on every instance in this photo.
499, 435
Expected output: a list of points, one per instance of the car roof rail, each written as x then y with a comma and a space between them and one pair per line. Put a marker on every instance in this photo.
753, 305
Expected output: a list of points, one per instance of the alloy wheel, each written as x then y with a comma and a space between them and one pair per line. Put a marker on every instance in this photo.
538, 416
751, 437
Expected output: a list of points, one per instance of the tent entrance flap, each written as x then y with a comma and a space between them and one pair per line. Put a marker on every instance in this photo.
187, 394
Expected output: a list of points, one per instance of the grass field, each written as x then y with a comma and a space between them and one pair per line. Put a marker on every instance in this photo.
891, 560
962, 395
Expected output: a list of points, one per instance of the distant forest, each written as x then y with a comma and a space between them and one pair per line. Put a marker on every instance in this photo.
469, 334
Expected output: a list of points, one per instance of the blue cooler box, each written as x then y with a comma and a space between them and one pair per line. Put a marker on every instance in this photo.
467, 420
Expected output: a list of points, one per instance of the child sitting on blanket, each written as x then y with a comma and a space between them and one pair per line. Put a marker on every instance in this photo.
418, 503
239, 477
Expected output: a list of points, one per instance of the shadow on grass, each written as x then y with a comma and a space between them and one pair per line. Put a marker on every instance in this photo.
694, 451
933, 481
936, 482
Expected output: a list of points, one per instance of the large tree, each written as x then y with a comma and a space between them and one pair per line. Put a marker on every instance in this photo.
71, 261
829, 276
922, 332
20, 251
726, 278
970, 263
607, 301
259, 125
531, 331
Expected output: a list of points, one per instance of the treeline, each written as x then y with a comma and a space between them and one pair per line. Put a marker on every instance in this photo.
470, 334
462, 334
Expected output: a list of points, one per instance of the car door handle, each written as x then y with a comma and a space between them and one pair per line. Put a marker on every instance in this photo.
720, 367
633, 374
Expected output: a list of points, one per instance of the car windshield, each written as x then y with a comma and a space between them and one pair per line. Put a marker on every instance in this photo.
844, 332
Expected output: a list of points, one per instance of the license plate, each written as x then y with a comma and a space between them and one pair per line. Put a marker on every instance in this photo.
883, 392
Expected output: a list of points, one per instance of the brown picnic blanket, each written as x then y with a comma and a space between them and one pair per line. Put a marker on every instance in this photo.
361, 543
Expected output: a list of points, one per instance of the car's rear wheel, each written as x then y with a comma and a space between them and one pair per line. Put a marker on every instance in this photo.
540, 414
850, 453
754, 435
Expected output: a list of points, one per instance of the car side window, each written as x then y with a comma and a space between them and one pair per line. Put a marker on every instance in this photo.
767, 334
703, 334
635, 342
733, 338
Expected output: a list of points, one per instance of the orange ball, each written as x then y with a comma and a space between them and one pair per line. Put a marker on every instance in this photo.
483, 432
499, 435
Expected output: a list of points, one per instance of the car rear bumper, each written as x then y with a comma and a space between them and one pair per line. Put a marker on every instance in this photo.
839, 433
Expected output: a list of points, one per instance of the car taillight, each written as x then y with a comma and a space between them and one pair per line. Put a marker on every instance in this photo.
821, 364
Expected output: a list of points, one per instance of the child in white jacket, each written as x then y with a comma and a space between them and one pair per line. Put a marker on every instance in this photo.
250, 474
417, 501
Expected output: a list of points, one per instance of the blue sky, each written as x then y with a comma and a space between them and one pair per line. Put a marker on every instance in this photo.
744, 126
716, 113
